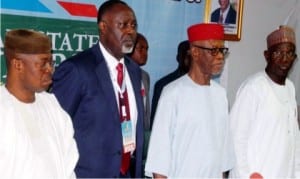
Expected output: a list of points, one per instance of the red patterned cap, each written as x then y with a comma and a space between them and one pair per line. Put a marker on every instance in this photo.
281, 35
205, 31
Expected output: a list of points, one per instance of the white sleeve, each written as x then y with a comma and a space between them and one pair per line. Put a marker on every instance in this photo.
228, 157
159, 152
70, 153
241, 115
297, 160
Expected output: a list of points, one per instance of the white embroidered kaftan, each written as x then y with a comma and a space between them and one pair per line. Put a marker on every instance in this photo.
265, 129
36, 139
190, 136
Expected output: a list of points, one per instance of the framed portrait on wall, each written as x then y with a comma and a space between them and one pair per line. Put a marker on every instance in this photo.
229, 13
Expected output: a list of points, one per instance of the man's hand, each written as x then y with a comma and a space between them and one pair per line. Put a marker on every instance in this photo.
156, 175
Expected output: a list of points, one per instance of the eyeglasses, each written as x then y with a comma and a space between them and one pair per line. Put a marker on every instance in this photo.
280, 55
214, 51
45, 65
41, 64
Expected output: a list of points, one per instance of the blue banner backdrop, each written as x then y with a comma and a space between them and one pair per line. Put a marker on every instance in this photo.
163, 22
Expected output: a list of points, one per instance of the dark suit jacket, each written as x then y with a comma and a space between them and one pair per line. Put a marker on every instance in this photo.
158, 87
230, 18
83, 87
146, 83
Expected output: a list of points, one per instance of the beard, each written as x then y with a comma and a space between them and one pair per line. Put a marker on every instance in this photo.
126, 48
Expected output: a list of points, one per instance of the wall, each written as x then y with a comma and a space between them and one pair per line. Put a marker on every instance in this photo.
164, 23
246, 57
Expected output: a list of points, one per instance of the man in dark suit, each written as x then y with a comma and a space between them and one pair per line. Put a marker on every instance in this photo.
101, 90
226, 14
140, 55
183, 68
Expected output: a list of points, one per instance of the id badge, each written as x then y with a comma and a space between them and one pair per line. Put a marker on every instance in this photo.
128, 142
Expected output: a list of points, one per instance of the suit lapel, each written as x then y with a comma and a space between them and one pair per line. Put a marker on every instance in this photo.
136, 80
134, 77
105, 82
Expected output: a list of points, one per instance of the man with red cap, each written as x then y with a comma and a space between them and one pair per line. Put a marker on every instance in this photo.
190, 135
264, 116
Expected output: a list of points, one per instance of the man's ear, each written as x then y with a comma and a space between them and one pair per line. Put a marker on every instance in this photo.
102, 27
194, 52
17, 64
267, 55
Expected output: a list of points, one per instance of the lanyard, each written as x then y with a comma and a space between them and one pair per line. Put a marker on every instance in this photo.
121, 89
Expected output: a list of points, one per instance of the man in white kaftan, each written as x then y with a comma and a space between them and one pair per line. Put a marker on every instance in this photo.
190, 135
263, 118
36, 139
265, 129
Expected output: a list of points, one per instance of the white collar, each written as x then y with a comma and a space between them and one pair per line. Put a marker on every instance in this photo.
111, 61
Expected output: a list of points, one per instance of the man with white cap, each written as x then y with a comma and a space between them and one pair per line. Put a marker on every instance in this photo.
36, 139
190, 135
264, 116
